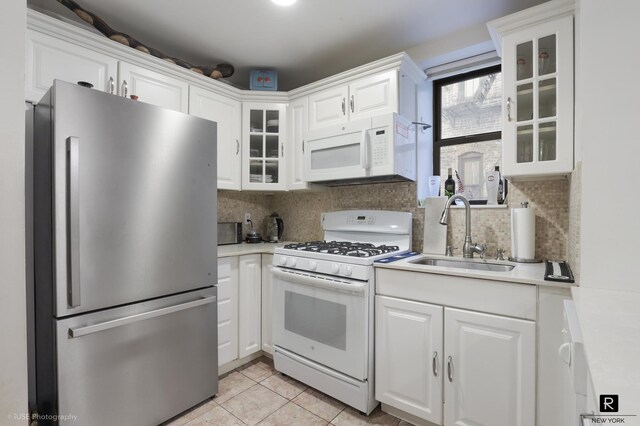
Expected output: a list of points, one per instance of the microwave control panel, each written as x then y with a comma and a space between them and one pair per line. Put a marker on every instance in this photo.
379, 147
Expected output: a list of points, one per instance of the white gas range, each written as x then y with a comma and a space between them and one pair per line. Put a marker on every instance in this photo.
323, 296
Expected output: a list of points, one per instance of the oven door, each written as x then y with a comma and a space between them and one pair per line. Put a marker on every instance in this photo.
337, 152
322, 318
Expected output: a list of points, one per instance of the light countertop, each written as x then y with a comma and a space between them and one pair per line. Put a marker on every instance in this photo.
523, 273
610, 325
248, 248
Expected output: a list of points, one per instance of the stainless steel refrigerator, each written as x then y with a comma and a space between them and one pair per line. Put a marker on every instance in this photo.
125, 258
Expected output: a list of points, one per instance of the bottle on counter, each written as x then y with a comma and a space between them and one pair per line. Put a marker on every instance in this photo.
449, 185
500, 186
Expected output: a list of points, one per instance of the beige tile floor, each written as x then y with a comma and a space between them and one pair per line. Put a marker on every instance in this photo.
256, 394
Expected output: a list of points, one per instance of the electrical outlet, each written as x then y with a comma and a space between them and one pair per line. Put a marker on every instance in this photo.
247, 218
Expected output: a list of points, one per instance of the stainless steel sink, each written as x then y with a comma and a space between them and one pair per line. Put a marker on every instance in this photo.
463, 264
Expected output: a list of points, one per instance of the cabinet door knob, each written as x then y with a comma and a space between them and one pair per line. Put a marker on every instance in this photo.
434, 364
303, 146
344, 110
351, 103
281, 149
112, 85
237, 147
509, 109
450, 368
125, 88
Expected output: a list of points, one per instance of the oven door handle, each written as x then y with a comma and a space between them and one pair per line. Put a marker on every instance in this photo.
314, 281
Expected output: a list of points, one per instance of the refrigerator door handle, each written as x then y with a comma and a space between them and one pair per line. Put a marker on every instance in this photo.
73, 156
90, 329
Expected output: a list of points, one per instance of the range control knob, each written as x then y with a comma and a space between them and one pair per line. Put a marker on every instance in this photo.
335, 268
347, 270
282, 260
291, 262
313, 265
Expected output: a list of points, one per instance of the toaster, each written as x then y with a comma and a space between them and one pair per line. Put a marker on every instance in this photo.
229, 233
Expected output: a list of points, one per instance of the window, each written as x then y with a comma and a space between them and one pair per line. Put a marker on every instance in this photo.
467, 123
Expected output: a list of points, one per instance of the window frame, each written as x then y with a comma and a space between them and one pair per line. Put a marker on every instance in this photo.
438, 142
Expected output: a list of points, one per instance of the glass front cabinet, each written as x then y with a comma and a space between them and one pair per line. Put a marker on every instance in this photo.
537, 113
263, 138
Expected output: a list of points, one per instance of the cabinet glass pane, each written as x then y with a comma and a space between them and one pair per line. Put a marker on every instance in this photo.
272, 146
256, 118
524, 148
547, 141
273, 121
524, 60
255, 150
547, 98
524, 103
271, 172
256, 171
547, 55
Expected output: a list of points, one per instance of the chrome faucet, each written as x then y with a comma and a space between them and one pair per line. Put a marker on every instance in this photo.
469, 247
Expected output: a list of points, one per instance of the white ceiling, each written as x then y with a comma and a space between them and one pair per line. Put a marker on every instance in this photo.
305, 42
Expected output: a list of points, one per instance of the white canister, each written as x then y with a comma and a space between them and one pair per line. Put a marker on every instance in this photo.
523, 234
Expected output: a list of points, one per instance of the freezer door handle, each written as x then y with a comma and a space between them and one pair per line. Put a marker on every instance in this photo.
73, 158
90, 329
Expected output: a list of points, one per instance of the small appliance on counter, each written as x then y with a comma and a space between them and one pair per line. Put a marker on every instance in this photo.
275, 228
229, 233
253, 236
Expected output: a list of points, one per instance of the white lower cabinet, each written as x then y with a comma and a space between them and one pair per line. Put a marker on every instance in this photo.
490, 370
249, 304
227, 309
453, 366
408, 336
267, 304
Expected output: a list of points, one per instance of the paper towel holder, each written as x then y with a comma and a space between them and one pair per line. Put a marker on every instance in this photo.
525, 205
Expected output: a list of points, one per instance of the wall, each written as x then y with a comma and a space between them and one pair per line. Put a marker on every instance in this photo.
301, 213
13, 365
608, 79
575, 206
232, 205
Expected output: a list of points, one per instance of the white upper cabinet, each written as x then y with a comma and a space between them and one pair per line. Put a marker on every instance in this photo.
364, 97
373, 95
490, 370
153, 87
298, 121
409, 356
264, 146
50, 58
537, 67
227, 113
328, 107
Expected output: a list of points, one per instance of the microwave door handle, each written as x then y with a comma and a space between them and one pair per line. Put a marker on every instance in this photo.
365, 149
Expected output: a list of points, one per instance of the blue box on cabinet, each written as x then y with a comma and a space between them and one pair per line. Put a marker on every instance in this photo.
263, 80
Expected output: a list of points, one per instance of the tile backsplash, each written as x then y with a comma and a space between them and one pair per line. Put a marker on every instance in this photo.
301, 213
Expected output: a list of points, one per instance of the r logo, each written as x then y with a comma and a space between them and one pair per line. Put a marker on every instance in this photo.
608, 403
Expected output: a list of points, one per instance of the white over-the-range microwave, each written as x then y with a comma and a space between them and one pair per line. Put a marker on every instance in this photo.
381, 148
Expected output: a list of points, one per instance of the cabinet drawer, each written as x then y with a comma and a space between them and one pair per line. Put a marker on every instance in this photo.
496, 297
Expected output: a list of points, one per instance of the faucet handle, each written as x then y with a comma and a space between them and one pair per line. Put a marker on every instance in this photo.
500, 254
449, 251
481, 249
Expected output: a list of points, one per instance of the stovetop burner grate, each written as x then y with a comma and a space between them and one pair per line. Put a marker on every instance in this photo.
343, 248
